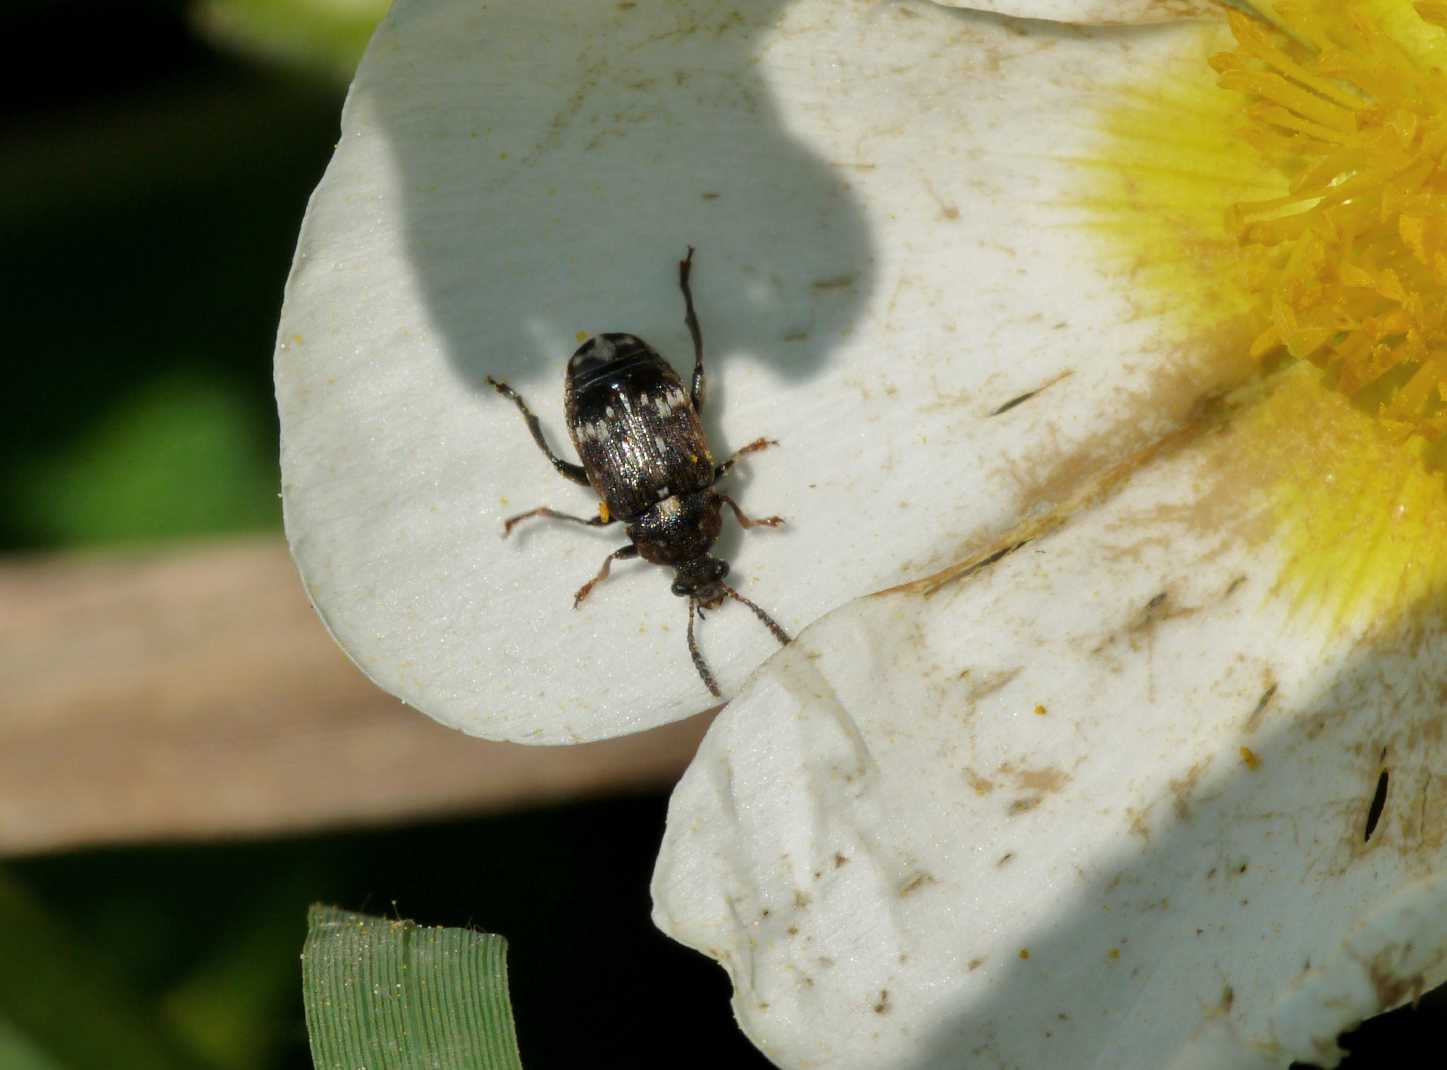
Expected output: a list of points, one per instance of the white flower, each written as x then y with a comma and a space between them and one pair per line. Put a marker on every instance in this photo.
1138, 761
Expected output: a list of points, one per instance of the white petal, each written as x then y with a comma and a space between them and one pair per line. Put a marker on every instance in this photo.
883, 261
1097, 12
1114, 751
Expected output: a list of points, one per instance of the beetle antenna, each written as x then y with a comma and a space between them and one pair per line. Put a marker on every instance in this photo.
779, 633
697, 655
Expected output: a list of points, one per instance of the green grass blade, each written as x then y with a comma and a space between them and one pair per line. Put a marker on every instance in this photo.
393, 995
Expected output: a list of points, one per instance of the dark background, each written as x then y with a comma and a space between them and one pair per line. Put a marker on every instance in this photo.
152, 180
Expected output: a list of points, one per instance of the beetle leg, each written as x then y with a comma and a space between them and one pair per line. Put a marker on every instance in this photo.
698, 663
565, 469
685, 268
543, 510
749, 521
621, 554
753, 447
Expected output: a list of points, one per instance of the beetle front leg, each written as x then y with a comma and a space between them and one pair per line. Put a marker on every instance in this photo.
565, 469
748, 521
753, 447
685, 268
621, 554
592, 521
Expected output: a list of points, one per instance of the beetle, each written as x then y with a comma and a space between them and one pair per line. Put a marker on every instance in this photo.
645, 455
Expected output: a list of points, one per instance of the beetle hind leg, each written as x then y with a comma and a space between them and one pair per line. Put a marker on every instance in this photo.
566, 469
690, 317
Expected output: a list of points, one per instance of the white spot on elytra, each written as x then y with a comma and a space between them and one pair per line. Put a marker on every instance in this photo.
668, 506
658, 441
608, 411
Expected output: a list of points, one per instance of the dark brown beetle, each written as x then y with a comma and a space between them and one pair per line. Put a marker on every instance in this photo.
645, 455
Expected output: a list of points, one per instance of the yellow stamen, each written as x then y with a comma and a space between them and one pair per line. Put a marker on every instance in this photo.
1354, 283
1296, 207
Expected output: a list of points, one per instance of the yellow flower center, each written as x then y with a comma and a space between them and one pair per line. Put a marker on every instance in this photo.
1349, 264
1300, 216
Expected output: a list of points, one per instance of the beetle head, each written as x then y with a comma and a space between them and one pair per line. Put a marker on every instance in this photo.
701, 579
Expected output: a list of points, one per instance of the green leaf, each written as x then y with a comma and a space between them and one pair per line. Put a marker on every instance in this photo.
178, 456
393, 995
63, 1005
315, 35
20, 1052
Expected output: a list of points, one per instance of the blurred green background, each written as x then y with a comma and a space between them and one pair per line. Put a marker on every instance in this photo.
150, 190
151, 185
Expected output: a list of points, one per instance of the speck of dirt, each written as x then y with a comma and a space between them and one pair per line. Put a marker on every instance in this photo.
915, 883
